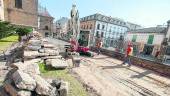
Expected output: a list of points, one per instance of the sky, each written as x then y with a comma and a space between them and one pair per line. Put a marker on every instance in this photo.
148, 13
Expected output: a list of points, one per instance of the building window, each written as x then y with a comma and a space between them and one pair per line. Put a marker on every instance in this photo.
134, 38
103, 27
168, 50
91, 26
148, 49
18, 4
97, 34
46, 27
46, 34
87, 27
150, 39
98, 26
102, 34
110, 30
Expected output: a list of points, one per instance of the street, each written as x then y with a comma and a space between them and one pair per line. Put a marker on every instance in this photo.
108, 77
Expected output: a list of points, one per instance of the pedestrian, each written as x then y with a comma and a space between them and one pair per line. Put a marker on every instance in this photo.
129, 52
99, 46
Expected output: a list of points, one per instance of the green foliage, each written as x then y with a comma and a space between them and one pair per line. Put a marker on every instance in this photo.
21, 31
6, 42
42, 67
6, 29
75, 87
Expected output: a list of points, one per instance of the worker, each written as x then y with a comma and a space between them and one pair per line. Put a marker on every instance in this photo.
129, 52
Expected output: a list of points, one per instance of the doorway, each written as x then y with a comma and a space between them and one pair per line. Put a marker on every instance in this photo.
148, 49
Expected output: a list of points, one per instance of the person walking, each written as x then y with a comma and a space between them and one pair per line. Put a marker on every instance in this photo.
129, 52
99, 46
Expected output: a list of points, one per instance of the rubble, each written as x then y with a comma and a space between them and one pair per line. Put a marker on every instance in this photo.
57, 63
34, 54
63, 90
24, 93
19, 82
34, 45
52, 52
43, 87
23, 81
52, 57
49, 46
9, 89
30, 67
35, 42
23, 78
33, 48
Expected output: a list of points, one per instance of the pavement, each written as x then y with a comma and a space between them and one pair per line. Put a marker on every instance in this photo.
108, 77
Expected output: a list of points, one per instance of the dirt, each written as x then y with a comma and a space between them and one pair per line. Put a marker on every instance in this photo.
107, 77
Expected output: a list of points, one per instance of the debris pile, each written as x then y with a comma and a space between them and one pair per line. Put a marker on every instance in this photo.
23, 78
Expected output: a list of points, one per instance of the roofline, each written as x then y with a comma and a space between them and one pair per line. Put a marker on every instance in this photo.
138, 30
46, 16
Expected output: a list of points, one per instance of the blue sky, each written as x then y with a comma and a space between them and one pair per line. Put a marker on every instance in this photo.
144, 12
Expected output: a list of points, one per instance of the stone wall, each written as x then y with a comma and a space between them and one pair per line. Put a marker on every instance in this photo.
45, 21
26, 16
152, 65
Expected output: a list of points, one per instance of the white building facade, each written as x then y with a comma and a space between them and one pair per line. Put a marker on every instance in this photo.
147, 40
107, 28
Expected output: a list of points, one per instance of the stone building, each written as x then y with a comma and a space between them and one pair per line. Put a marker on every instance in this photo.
45, 22
20, 12
107, 28
1, 10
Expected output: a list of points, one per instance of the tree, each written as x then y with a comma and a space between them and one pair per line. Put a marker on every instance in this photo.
22, 31
6, 29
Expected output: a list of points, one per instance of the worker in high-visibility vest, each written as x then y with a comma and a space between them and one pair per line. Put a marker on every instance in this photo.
129, 52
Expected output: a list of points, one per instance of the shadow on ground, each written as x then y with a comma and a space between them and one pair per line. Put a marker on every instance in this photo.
113, 67
143, 74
